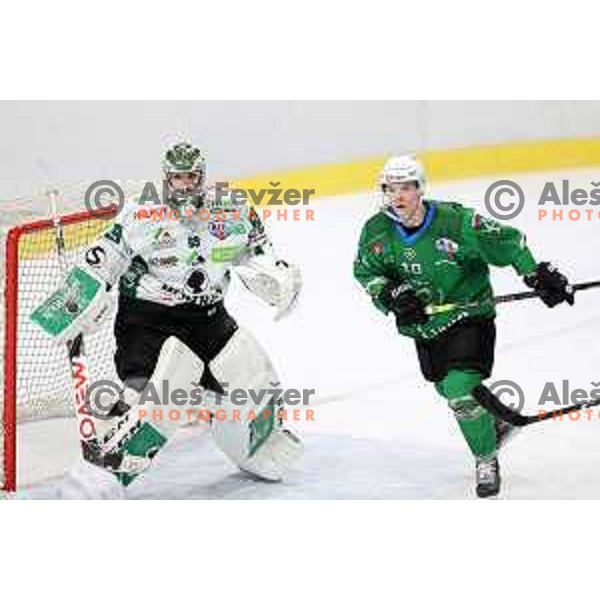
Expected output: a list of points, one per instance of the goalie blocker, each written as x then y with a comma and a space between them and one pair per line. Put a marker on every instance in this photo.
78, 306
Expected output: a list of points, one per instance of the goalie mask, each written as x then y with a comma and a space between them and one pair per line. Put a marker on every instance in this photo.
184, 169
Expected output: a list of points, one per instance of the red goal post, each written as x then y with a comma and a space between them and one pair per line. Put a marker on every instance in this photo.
36, 371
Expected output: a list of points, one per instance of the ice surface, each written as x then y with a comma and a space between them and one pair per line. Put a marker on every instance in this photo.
379, 430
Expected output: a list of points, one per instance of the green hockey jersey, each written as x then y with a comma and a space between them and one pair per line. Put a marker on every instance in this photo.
446, 261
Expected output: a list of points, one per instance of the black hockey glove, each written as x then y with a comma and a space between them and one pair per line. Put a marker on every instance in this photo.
551, 285
402, 300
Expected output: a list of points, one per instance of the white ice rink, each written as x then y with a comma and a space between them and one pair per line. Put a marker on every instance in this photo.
380, 431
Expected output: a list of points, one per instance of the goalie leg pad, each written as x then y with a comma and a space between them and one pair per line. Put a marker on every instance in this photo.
177, 368
137, 436
250, 434
273, 459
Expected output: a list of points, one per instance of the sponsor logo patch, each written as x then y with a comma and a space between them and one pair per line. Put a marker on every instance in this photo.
218, 230
163, 238
164, 261
447, 246
95, 256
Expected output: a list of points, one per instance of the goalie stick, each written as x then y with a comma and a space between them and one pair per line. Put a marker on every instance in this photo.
129, 446
79, 364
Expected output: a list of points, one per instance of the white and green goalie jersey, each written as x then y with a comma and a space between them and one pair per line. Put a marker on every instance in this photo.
155, 256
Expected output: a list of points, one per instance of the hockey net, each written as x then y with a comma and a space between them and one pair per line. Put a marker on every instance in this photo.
36, 379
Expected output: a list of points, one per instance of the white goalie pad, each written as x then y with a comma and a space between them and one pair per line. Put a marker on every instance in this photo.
275, 282
178, 370
248, 432
276, 456
247, 429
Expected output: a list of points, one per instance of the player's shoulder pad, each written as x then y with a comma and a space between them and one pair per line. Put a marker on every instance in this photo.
450, 208
452, 215
447, 205
376, 223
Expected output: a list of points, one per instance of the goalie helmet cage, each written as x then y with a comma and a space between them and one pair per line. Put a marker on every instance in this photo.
37, 375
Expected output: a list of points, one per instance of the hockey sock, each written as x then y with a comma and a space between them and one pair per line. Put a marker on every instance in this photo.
476, 424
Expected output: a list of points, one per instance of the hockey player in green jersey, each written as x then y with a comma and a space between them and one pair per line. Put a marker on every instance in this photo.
417, 252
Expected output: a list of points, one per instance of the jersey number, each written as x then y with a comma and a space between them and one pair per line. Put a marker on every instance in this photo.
411, 268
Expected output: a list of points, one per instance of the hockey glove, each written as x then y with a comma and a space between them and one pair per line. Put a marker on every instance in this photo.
551, 285
275, 282
402, 300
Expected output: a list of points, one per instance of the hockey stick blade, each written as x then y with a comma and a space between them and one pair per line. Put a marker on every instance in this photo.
492, 404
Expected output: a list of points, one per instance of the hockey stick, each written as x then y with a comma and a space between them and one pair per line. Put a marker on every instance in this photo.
109, 450
492, 404
435, 309
486, 398
78, 359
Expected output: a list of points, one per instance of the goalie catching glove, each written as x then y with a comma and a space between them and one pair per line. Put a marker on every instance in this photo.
275, 282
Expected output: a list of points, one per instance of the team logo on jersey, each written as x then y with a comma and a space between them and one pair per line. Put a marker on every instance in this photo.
377, 248
447, 246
